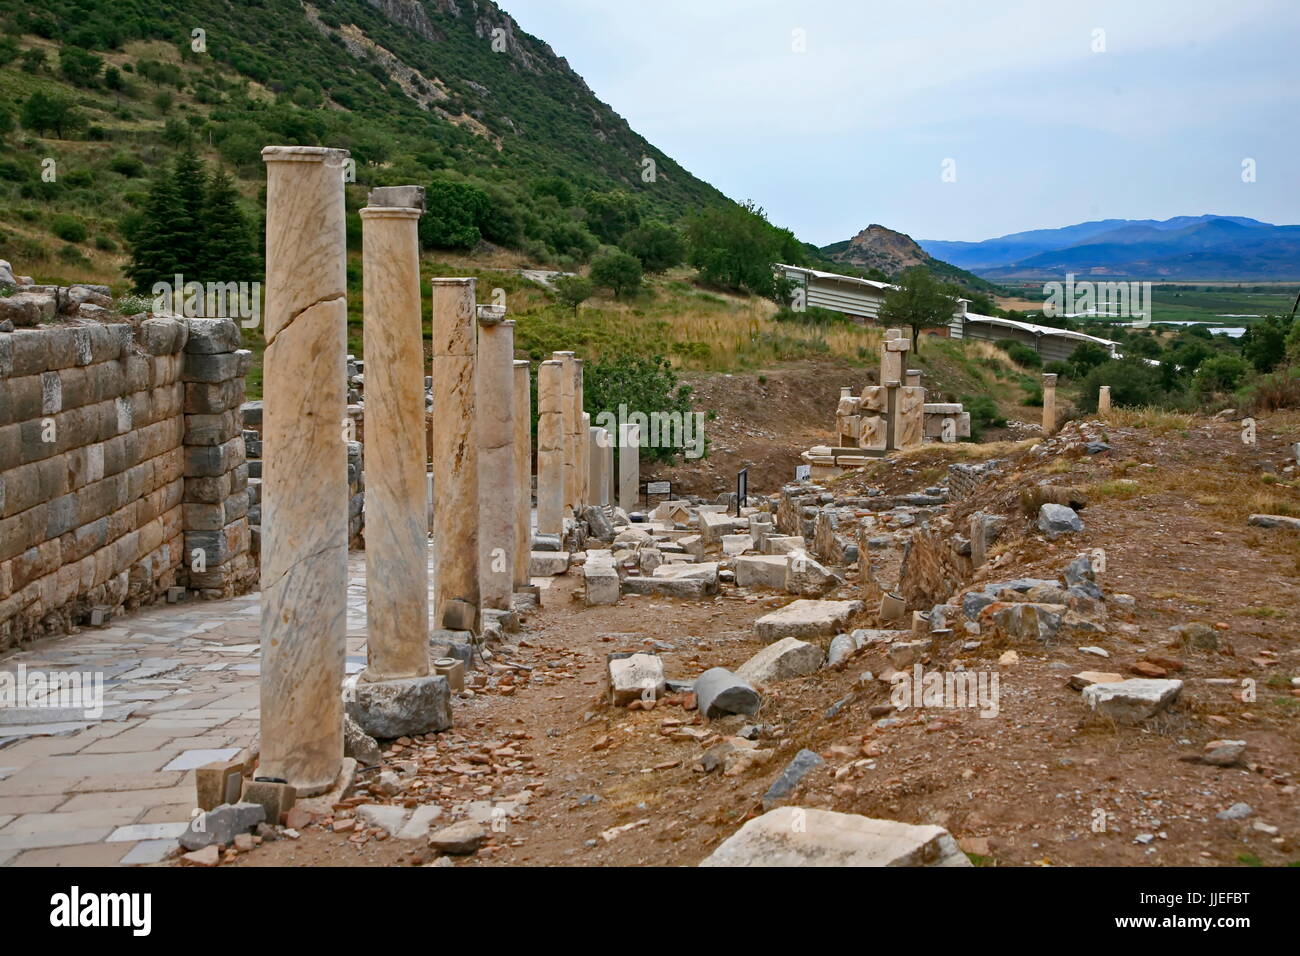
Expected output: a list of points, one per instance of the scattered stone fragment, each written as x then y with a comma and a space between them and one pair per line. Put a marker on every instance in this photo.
1087, 678
783, 660
635, 677
218, 826
784, 785
795, 836
1238, 811
719, 692
461, 838
1131, 701
1055, 520
804, 619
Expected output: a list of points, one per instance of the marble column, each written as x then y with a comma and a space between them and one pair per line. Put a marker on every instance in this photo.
570, 428
594, 461
1049, 403
552, 447
396, 694
454, 454
580, 423
629, 467
305, 472
495, 383
523, 475
607, 468
584, 461
1103, 400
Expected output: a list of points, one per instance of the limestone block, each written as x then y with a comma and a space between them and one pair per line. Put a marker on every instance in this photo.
782, 660
806, 619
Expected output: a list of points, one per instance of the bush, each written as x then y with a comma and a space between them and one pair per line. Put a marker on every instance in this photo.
1222, 373
69, 228
617, 271
983, 414
1062, 369
641, 385
1132, 382
1020, 353
127, 165
658, 246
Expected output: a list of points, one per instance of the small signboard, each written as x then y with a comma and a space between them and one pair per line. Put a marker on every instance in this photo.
658, 488
802, 472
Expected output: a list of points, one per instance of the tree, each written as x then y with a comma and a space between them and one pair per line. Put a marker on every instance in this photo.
733, 245
156, 239
228, 252
617, 271
639, 384
190, 178
79, 67
658, 245
43, 112
454, 211
611, 214
1222, 373
1264, 342
919, 302
1088, 355
572, 291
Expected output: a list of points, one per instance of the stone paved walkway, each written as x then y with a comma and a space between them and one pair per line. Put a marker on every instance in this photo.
180, 691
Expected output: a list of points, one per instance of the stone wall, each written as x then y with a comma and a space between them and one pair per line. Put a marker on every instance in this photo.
109, 435
933, 568
964, 479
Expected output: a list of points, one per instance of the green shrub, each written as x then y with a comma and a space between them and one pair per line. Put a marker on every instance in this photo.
68, 228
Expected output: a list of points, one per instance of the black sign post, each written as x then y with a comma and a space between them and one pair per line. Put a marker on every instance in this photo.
742, 489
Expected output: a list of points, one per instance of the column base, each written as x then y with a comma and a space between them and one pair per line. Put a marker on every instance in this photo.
323, 798
387, 709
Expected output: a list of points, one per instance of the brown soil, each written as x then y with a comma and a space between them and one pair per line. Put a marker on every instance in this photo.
1023, 788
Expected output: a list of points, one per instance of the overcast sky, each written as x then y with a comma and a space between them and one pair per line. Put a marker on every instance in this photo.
1041, 130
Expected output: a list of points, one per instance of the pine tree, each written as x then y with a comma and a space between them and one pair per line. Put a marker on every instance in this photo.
156, 241
227, 251
190, 180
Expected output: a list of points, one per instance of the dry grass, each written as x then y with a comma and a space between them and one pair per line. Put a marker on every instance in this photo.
969, 451
1156, 420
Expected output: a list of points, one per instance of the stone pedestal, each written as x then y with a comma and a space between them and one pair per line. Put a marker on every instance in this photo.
1103, 400
629, 467
454, 454
495, 376
397, 570
552, 443
584, 461
1049, 403
607, 468
579, 423
522, 424
304, 477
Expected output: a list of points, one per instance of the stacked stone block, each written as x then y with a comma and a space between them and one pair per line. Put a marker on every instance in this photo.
215, 509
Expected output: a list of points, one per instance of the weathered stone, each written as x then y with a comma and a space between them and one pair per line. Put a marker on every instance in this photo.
1223, 753
1274, 521
1055, 520
600, 577
760, 570
397, 708
804, 619
460, 839
275, 799
218, 826
635, 677
359, 745
719, 692
1132, 701
782, 660
382, 817
1087, 678
804, 762
807, 577
544, 564
795, 836
842, 648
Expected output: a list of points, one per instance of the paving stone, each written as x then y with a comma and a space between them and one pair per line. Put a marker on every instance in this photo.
147, 831
148, 851
193, 759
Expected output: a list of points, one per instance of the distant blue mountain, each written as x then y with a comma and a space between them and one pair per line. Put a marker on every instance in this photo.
1184, 247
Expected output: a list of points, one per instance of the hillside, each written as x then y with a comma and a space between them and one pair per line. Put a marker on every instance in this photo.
886, 251
1184, 247
418, 90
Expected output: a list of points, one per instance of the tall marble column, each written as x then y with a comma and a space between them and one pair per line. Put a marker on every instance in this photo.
568, 423
552, 446
495, 384
594, 461
606, 490
396, 695
1049, 403
629, 467
580, 422
454, 453
305, 472
1103, 400
584, 462
523, 475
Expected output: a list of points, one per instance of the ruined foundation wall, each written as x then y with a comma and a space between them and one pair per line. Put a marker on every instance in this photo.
119, 455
